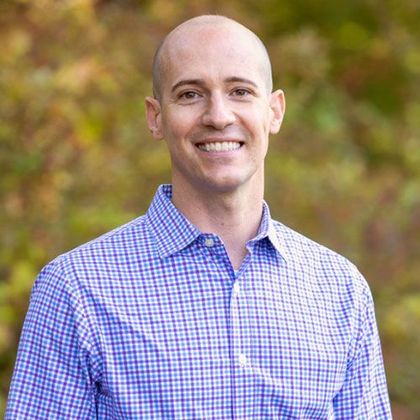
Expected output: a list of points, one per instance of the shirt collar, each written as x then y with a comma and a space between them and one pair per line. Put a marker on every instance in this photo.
173, 232
170, 227
267, 230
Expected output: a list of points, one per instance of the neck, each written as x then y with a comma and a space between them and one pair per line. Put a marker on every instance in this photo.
234, 216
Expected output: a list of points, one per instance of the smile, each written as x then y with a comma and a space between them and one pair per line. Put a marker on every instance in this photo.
218, 146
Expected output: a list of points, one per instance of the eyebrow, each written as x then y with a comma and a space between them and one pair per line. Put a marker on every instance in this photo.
201, 82
184, 82
241, 80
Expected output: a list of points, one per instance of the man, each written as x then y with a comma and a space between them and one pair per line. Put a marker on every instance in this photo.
204, 308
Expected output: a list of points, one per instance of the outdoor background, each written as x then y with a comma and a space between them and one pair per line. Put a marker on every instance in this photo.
76, 158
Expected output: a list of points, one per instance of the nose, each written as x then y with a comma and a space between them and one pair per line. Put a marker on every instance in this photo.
218, 113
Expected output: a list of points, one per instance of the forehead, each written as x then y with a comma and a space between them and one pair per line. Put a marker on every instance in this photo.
212, 53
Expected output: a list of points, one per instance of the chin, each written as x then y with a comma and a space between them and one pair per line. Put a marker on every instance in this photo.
225, 185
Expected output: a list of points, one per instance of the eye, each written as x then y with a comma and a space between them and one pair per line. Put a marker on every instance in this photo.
188, 95
241, 92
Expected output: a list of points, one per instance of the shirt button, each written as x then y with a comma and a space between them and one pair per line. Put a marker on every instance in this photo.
242, 359
209, 242
236, 289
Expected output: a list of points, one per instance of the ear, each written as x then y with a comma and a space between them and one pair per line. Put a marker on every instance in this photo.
278, 108
154, 117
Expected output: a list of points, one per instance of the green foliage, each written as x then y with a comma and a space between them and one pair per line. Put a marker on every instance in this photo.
76, 158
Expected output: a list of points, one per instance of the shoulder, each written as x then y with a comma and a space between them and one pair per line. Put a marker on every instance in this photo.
330, 270
298, 245
101, 257
118, 239
331, 279
132, 235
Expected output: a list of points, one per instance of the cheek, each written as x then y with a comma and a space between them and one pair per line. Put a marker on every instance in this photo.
177, 126
258, 118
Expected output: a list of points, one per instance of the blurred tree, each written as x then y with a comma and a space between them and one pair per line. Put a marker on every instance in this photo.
76, 158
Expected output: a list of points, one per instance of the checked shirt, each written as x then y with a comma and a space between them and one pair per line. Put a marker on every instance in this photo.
150, 321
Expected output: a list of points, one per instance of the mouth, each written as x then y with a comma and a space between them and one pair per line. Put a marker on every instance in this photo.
220, 146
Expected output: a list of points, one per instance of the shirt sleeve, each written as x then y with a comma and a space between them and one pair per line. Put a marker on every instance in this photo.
364, 394
53, 376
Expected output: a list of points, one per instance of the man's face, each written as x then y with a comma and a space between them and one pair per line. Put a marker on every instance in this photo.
215, 112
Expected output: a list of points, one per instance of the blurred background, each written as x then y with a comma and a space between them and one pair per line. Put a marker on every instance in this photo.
76, 158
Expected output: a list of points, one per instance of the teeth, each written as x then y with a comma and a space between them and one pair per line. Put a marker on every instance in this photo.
219, 146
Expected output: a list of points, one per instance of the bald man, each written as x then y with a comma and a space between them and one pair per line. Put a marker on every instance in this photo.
205, 307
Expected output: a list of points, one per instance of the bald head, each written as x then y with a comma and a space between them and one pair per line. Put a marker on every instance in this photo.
199, 25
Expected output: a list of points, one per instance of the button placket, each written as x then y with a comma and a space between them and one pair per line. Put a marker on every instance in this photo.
240, 362
240, 357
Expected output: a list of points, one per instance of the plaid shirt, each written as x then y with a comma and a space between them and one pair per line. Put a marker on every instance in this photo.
150, 321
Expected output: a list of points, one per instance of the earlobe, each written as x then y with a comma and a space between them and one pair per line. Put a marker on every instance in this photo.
278, 108
153, 116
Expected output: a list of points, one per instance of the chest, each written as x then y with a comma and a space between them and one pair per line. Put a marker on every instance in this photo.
190, 336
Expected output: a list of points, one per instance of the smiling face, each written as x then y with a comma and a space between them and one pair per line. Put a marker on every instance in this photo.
214, 109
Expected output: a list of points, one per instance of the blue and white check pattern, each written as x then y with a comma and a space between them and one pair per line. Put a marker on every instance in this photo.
151, 322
